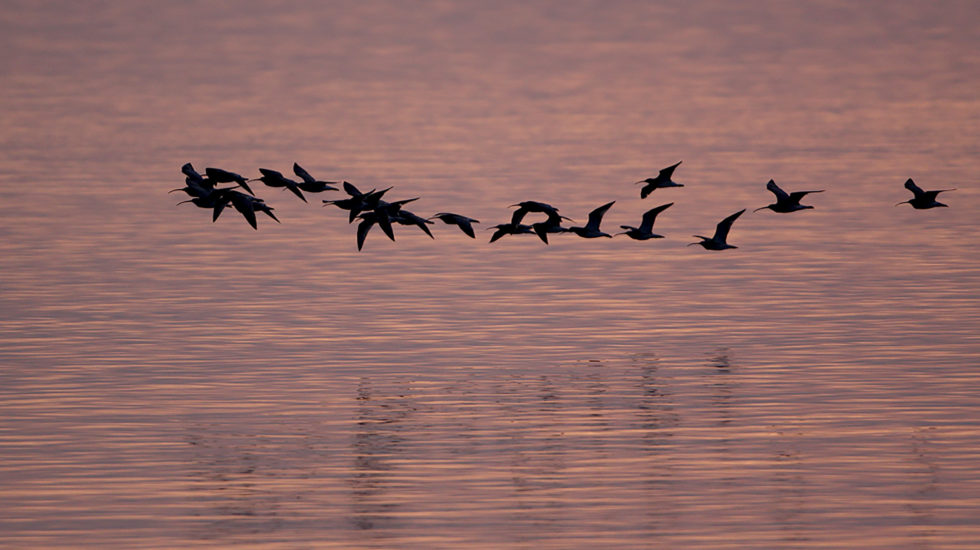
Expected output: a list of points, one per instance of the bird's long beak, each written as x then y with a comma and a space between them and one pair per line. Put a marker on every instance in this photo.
898, 203
763, 208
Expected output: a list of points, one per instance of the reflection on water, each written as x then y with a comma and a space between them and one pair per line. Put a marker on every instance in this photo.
166, 381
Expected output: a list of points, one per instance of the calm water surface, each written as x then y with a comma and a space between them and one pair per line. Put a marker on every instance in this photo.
168, 382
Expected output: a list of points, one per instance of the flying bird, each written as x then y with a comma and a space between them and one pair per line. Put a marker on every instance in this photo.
645, 231
465, 224
247, 206
531, 206
661, 181
509, 229
551, 225
922, 199
309, 183
786, 202
404, 217
224, 176
368, 219
273, 178
719, 240
591, 229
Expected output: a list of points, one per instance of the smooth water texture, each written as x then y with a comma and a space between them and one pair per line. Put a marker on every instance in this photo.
169, 382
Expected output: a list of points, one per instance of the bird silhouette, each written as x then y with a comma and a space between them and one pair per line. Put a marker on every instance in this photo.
922, 199
273, 178
531, 206
358, 201
404, 217
661, 181
509, 229
465, 224
719, 240
194, 176
224, 176
786, 202
645, 231
247, 205
551, 225
309, 183
591, 229
368, 220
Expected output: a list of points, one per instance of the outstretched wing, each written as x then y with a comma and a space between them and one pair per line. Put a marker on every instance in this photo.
781, 195
915, 189
351, 190
795, 196
465, 224
595, 217
303, 174
669, 171
362, 231
721, 232
646, 225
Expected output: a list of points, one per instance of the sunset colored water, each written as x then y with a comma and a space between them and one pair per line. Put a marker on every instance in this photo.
169, 382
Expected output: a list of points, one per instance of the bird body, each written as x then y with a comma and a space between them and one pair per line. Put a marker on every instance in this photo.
404, 217
923, 199
309, 183
465, 224
591, 229
645, 231
786, 202
509, 229
662, 181
274, 178
224, 176
720, 239
523, 208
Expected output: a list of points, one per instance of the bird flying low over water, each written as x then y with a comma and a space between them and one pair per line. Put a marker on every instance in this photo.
224, 176
368, 219
591, 229
719, 240
645, 231
786, 202
309, 183
523, 208
465, 224
509, 229
273, 178
922, 199
551, 225
404, 217
661, 181
247, 206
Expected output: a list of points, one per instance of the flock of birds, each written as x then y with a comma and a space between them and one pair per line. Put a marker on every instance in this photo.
371, 209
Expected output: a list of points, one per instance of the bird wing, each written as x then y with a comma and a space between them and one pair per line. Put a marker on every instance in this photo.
781, 195
500, 232
466, 227
188, 170
795, 196
385, 223
721, 232
595, 217
915, 189
646, 225
362, 231
351, 190
669, 171
518, 215
274, 174
647, 189
931, 195
292, 185
303, 174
